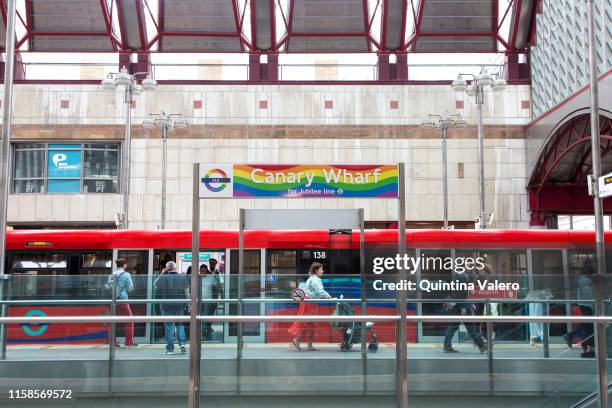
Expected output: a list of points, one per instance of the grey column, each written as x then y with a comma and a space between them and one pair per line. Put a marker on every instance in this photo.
127, 148
600, 329
401, 338
7, 107
445, 173
164, 175
481, 172
195, 345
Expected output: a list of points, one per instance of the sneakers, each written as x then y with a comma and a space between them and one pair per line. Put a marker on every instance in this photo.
183, 349
132, 345
533, 340
450, 349
169, 352
483, 348
568, 340
588, 354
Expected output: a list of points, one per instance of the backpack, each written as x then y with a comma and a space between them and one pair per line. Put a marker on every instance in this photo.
107, 289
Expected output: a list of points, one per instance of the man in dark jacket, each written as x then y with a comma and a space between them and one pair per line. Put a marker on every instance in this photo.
172, 285
458, 309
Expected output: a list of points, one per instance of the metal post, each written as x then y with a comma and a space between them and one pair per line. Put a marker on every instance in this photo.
195, 346
445, 172
481, 172
490, 349
546, 328
363, 289
3, 313
600, 332
7, 106
113, 335
164, 174
240, 326
401, 338
239, 306
126, 158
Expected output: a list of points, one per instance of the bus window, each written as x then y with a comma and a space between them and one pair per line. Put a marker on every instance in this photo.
38, 275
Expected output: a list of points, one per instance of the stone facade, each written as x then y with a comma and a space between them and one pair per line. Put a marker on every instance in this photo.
230, 126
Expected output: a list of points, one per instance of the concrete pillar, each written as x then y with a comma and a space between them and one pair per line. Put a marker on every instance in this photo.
537, 219
272, 67
384, 73
393, 71
267, 71
19, 70
254, 67
401, 67
513, 70
142, 64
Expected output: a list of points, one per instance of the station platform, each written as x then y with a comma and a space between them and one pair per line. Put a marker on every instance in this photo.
270, 372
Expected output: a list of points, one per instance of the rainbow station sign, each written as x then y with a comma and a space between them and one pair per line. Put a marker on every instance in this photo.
298, 181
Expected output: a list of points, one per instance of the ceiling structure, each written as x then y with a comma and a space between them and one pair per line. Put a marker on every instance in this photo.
557, 183
274, 26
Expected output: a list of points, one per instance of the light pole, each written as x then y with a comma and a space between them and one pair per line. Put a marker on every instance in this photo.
166, 122
5, 147
476, 88
131, 88
442, 123
600, 249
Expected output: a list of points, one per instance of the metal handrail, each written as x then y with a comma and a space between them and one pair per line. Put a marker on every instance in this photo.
281, 300
307, 318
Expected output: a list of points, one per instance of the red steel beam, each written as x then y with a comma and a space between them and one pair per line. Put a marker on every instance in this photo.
160, 22
253, 25
517, 16
237, 21
404, 18
108, 22
383, 25
365, 23
141, 23
122, 25
290, 26
419, 21
494, 16
272, 25
3, 10
501, 22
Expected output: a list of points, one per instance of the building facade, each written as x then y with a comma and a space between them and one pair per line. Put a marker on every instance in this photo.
351, 124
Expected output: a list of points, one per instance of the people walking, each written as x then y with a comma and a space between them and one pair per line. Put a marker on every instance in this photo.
313, 289
209, 284
121, 280
462, 309
172, 285
584, 291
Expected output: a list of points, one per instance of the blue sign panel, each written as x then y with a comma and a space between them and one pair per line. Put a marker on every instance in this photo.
64, 163
64, 186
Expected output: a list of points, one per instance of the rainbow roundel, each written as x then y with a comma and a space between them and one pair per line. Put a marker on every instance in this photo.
215, 180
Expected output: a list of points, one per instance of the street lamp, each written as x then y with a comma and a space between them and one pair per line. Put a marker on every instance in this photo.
131, 88
443, 123
166, 122
476, 89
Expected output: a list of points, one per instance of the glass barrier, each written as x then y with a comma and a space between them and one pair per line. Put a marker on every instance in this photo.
539, 364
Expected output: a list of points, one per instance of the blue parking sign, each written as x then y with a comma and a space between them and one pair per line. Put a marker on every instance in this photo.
64, 163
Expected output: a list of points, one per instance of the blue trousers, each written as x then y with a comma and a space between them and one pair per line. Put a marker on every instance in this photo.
173, 310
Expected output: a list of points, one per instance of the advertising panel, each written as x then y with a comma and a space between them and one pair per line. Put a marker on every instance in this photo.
64, 169
298, 181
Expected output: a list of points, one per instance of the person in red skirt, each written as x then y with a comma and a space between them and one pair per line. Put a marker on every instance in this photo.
313, 290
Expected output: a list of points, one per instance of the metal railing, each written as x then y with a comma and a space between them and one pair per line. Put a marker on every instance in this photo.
600, 323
